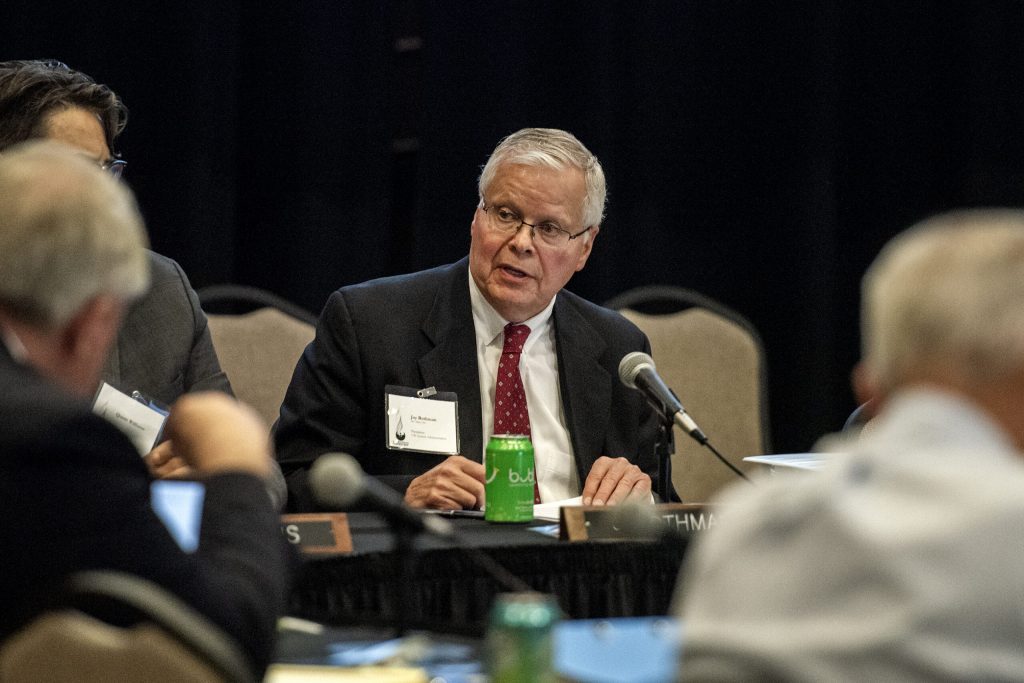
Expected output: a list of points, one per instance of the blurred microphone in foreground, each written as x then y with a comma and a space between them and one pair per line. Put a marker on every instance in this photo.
339, 483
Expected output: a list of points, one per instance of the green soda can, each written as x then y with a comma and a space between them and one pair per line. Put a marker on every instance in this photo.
509, 478
518, 645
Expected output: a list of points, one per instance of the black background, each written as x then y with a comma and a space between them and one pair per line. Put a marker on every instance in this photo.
760, 153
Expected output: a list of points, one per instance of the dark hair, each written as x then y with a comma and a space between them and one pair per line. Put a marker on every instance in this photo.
30, 90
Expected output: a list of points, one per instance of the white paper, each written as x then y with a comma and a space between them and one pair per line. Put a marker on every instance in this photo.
424, 425
137, 420
549, 511
797, 461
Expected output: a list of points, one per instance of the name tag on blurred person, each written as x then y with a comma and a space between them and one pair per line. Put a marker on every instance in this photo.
140, 419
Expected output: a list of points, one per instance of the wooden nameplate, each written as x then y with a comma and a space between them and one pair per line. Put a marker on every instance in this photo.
318, 533
590, 522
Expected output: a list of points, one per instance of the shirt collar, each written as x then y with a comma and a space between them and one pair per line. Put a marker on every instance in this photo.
489, 323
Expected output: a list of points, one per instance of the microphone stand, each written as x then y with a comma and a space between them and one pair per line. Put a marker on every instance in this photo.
404, 555
663, 450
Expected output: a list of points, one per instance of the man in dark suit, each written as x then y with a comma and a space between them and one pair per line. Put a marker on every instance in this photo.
542, 198
74, 493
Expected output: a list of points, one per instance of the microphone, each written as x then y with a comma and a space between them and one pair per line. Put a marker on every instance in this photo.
339, 482
637, 371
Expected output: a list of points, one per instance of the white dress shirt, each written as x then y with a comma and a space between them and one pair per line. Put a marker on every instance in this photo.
557, 478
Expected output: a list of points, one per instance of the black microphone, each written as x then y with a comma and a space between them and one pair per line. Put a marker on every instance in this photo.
637, 371
339, 482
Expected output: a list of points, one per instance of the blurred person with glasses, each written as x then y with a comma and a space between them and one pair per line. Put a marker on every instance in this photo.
164, 349
541, 198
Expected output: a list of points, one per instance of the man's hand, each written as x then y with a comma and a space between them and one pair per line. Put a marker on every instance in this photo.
455, 484
612, 481
164, 464
214, 433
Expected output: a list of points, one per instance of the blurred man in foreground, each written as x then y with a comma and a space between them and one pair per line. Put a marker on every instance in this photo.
496, 332
902, 559
74, 492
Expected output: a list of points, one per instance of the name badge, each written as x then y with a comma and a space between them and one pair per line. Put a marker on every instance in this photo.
141, 422
655, 522
420, 424
318, 532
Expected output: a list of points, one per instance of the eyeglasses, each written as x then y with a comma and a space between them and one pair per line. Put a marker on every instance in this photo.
507, 221
114, 167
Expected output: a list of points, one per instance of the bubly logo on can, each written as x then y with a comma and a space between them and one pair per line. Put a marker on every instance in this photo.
510, 479
516, 478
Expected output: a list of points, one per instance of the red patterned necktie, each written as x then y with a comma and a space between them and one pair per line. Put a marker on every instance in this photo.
510, 413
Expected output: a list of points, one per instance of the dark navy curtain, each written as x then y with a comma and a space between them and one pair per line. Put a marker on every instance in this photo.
760, 153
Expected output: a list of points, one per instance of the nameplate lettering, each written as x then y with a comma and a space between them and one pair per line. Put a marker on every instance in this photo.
318, 533
591, 523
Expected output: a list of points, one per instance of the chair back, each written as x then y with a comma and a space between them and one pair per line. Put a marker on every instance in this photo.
164, 640
258, 352
713, 359
243, 298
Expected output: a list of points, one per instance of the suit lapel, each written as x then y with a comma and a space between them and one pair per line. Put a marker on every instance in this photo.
586, 386
451, 365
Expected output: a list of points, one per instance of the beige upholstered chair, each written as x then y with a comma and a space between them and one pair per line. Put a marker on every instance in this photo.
165, 641
714, 361
258, 350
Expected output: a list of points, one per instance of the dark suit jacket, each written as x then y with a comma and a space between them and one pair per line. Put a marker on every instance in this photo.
417, 331
74, 495
164, 348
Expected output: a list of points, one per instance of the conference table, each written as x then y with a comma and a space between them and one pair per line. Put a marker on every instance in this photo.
443, 587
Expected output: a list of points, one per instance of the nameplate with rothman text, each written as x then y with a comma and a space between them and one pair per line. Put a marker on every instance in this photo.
635, 522
318, 533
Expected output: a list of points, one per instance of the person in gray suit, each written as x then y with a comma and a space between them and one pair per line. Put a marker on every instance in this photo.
541, 200
164, 349
49, 99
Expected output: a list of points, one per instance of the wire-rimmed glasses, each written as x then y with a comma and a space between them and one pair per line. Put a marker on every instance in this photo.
505, 220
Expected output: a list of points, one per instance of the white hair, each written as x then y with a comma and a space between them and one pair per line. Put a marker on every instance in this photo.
555, 149
948, 293
68, 233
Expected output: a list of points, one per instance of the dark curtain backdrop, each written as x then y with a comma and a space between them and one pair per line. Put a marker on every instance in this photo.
758, 152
